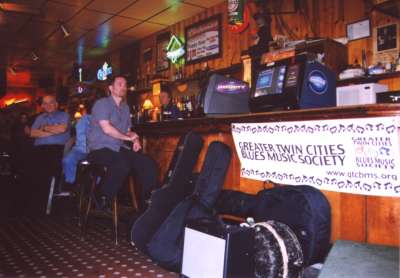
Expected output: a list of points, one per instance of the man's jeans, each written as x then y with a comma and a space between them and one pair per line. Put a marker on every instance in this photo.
70, 163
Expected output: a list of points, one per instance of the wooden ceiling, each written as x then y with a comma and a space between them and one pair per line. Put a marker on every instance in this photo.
96, 27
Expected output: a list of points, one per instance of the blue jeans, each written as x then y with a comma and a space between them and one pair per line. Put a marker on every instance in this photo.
70, 163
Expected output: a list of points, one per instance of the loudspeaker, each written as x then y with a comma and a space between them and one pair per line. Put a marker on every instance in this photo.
3, 82
216, 251
319, 87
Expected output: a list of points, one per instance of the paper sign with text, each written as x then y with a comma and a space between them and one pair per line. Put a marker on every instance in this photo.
359, 156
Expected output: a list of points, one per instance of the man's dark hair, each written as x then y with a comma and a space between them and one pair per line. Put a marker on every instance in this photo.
111, 80
166, 89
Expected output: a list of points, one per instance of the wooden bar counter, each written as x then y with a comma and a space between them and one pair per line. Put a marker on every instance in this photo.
354, 217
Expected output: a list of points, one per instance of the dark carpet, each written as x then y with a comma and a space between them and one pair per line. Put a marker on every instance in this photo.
52, 247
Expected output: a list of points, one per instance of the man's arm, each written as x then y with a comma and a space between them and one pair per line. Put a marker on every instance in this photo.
115, 133
55, 129
37, 133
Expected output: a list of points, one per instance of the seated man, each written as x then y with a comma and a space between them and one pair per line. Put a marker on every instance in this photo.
79, 151
51, 131
169, 110
109, 128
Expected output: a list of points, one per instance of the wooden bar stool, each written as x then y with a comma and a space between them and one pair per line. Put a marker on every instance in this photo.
94, 173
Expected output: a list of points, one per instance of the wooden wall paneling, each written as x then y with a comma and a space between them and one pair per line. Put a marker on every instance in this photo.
383, 220
335, 203
320, 18
352, 217
393, 83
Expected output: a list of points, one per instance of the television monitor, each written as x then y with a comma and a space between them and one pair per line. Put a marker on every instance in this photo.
225, 95
270, 81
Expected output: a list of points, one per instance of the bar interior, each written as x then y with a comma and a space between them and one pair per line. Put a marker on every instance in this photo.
199, 138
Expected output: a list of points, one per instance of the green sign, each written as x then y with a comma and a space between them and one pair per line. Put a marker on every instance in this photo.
175, 49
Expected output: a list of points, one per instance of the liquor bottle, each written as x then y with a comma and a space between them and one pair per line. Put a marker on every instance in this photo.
364, 61
189, 107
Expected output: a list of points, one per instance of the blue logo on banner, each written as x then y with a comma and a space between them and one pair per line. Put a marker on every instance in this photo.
317, 82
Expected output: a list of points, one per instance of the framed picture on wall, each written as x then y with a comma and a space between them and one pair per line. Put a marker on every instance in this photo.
387, 37
358, 30
162, 62
203, 40
386, 42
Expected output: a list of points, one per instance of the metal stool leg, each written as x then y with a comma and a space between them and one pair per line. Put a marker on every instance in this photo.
115, 219
131, 185
89, 204
51, 194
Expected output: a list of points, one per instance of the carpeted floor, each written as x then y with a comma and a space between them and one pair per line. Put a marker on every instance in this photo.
51, 247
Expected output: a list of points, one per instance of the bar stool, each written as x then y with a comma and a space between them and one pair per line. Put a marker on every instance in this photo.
94, 173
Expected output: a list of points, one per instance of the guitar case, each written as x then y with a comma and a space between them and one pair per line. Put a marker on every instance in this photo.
166, 246
175, 188
303, 208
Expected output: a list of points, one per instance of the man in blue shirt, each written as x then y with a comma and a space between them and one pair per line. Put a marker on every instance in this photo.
109, 128
51, 130
80, 150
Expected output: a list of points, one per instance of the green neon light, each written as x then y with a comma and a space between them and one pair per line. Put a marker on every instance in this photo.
175, 49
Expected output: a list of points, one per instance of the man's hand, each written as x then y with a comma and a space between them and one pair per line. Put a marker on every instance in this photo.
132, 136
136, 145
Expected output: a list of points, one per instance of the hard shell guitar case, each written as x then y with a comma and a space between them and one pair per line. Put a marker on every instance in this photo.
166, 245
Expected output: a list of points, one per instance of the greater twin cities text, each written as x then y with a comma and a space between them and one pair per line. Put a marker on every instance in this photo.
319, 155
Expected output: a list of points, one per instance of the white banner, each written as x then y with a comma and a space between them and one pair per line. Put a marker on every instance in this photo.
359, 156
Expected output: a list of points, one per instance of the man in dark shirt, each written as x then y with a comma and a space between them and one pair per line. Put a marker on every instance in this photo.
109, 128
169, 110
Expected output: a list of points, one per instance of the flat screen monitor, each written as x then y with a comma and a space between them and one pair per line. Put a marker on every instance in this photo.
278, 86
270, 81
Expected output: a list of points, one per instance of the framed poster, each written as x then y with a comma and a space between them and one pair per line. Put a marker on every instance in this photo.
358, 30
386, 42
203, 40
162, 62
386, 37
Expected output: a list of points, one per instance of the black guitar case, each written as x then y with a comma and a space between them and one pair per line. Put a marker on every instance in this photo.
303, 208
176, 187
166, 246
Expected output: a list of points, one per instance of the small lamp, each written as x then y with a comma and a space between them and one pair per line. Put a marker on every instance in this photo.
147, 106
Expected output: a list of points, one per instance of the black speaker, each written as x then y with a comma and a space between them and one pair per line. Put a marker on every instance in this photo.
3, 82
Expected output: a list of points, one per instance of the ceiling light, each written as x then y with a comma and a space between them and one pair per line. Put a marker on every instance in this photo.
64, 30
12, 70
34, 56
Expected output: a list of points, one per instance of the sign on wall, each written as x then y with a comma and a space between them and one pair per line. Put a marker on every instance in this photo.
203, 40
104, 71
175, 49
162, 62
359, 156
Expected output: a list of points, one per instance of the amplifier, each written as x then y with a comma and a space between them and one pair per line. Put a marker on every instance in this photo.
212, 250
359, 94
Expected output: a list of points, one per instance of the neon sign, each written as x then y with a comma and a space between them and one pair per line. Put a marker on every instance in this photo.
104, 71
175, 49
